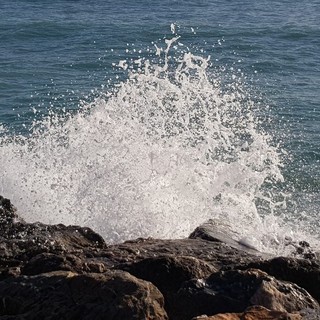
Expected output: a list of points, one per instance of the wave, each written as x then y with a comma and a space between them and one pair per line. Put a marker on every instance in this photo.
163, 151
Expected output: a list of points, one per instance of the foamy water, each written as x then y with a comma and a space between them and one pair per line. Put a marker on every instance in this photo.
161, 153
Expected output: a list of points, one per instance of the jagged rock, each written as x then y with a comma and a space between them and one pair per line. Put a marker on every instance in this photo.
303, 272
22, 243
7, 214
217, 254
234, 291
302, 249
310, 314
59, 267
217, 230
168, 273
67, 295
47, 262
253, 313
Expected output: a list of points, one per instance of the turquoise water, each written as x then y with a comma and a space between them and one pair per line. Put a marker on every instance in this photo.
58, 58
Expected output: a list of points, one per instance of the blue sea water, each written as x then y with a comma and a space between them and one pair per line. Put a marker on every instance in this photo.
71, 60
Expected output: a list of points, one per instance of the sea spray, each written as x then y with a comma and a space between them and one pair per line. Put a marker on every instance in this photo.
164, 151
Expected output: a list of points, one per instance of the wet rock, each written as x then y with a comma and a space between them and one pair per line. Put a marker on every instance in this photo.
253, 313
217, 254
7, 214
217, 230
22, 243
303, 272
234, 291
68, 272
67, 295
47, 262
304, 250
168, 273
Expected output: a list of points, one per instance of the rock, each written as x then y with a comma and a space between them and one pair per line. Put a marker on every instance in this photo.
168, 273
69, 272
47, 262
302, 249
303, 272
310, 314
253, 313
7, 214
217, 254
21, 244
43, 248
217, 230
234, 291
67, 295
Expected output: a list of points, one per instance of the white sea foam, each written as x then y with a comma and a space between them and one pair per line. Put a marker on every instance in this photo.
164, 152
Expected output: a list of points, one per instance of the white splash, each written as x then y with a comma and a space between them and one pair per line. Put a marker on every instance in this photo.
164, 152
123, 64
173, 28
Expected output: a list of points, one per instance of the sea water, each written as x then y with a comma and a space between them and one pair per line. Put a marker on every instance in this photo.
150, 118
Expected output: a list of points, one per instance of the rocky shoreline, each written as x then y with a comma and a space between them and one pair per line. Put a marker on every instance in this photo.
69, 272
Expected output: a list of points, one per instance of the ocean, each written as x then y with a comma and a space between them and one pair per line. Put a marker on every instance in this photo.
148, 118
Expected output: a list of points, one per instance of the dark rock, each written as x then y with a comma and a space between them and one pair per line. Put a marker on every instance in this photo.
7, 214
168, 273
66, 295
46, 262
68, 272
217, 254
301, 249
303, 272
253, 313
234, 291
22, 244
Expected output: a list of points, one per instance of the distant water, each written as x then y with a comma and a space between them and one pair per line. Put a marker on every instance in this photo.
148, 118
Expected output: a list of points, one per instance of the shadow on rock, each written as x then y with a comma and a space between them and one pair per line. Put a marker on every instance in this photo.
234, 291
67, 295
